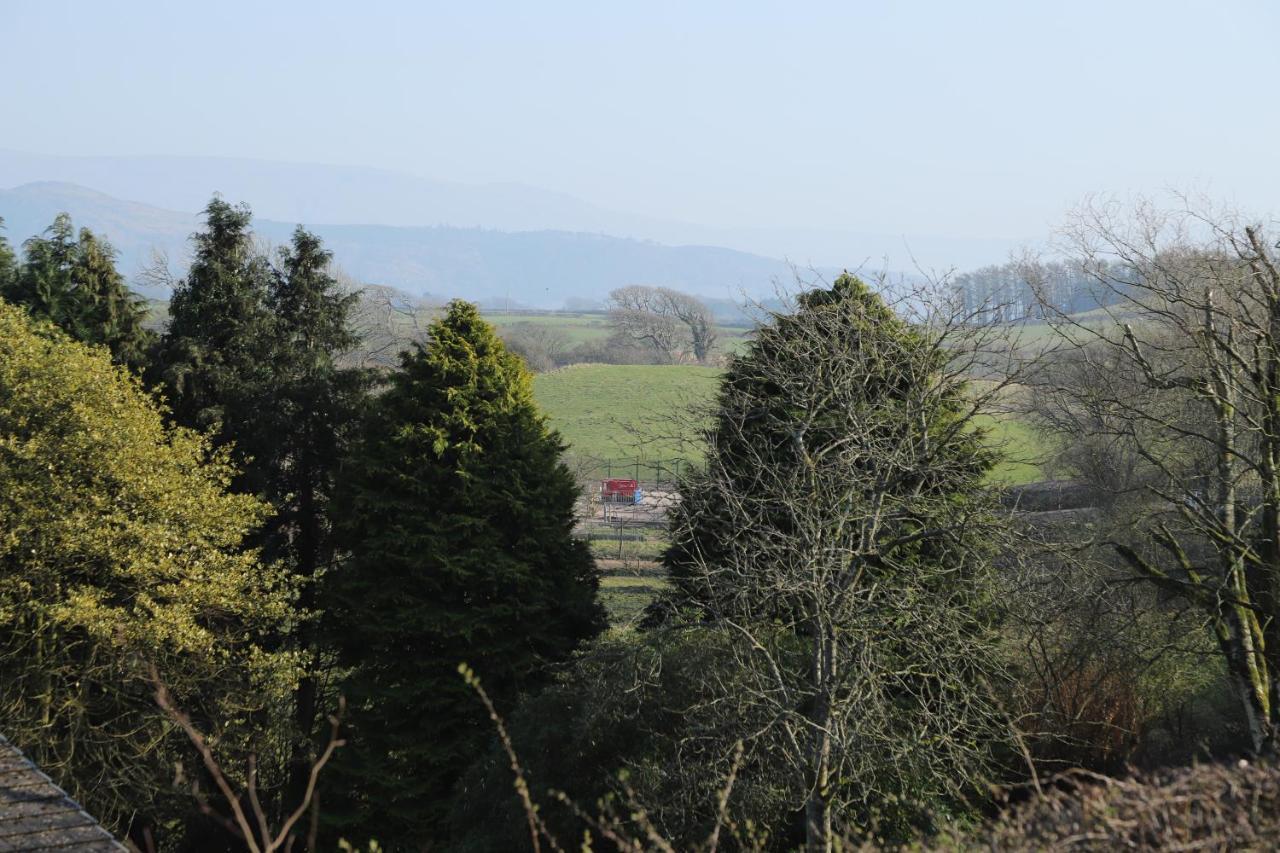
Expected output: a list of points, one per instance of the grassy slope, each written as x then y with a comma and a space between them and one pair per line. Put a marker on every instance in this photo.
623, 412
577, 328
626, 412
580, 328
604, 411
1018, 443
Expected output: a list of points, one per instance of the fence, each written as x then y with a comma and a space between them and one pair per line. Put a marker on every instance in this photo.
634, 545
659, 473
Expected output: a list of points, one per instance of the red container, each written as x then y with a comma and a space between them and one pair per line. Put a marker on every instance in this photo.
618, 490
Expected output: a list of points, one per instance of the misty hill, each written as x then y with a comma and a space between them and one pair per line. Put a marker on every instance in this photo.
305, 192
325, 194
542, 268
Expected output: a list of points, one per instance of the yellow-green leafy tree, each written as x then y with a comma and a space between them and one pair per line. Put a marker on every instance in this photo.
121, 547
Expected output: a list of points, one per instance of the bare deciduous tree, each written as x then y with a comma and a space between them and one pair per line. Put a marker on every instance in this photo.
542, 347
1109, 673
250, 824
843, 512
1094, 441
1190, 342
674, 324
388, 321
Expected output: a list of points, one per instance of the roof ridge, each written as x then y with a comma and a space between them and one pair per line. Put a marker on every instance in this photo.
28, 800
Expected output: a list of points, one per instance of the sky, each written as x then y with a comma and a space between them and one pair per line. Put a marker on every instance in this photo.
967, 119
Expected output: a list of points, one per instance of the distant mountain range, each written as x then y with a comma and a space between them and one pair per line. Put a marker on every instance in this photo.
317, 194
541, 268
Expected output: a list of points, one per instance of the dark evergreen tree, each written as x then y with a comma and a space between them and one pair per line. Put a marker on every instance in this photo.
768, 410
72, 281
252, 353
8, 263
214, 360
307, 425
43, 284
457, 514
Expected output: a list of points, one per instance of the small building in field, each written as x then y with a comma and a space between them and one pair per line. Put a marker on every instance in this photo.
620, 491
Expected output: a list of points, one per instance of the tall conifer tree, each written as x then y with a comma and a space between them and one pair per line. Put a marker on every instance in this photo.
214, 359
8, 263
252, 353
308, 424
71, 280
457, 514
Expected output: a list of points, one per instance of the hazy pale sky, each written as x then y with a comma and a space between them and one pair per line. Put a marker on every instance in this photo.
969, 119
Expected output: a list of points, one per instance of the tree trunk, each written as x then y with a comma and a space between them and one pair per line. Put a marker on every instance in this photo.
817, 808
1244, 681
305, 697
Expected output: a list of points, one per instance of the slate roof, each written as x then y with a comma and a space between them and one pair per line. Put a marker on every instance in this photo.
36, 814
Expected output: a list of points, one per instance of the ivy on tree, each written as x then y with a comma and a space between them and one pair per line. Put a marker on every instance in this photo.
842, 514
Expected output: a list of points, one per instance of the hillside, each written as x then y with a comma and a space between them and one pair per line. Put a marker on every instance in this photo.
625, 419
625, 413
320, 193
539, 268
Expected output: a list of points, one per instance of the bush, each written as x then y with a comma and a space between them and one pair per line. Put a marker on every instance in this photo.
541, 348
1107, 674
655, 709
1210, 807
615, 349
119, 547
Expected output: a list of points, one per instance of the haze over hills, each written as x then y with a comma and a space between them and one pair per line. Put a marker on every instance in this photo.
325, 194
540, 268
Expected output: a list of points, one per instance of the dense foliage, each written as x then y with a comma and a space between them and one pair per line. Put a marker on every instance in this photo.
457, 515
120, 546
8, 262
71, 279
640, 719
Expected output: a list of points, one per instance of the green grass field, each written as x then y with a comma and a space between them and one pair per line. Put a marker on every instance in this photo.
581, 328
625, 412
644, 412
626, 596
632, 573
1022, 449
576, 328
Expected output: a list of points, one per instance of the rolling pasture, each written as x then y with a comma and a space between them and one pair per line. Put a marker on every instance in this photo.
576, 328
583, 327
620, 419
647, 414
626, 413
